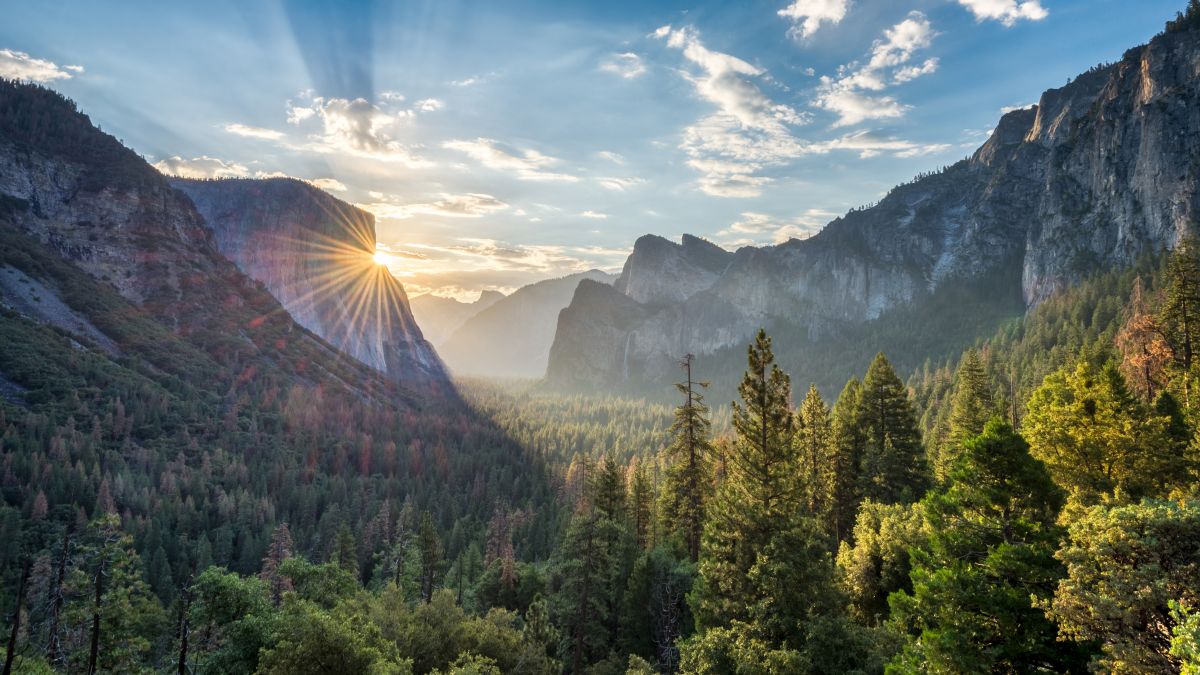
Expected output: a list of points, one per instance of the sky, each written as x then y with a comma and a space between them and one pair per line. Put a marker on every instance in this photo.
500, 143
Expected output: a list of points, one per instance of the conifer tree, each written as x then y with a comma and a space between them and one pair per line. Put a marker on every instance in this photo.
429, 546
894, 469
280, 549
1096, 437
1145, 353
345, 552
689, 474
1179, 317
641, 504
970, 409
849, 444
815, 452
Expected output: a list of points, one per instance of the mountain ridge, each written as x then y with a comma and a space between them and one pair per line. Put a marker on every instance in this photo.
1099, 172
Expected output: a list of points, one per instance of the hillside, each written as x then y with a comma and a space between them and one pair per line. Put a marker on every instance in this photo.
512, 338
439, 317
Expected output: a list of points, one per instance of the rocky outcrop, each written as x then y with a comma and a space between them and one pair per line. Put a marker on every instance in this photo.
1096, 174
512, 338
315, 253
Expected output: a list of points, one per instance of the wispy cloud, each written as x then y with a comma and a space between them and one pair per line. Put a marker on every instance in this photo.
524, 164
1007, 12
627, 64
201, 167
469, 205
329, 184
748, 130
755, 228
808, 15
253, 132
595, 215
620, 184
853, 93
16, 65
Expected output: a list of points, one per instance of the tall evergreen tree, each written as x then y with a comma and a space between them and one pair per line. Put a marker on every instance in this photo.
1179, 316
989, 561
641, 504
280, 549
970, 409
849, 444
815, 453
429, 547
894, 467
689, 474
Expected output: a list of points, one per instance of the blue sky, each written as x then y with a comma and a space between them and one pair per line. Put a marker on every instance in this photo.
502, 143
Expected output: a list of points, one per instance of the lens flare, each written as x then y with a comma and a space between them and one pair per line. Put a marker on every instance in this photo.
382, 258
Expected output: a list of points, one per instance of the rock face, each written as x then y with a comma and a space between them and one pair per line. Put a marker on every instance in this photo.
1096, 174
439, 317
80, 211
315, 253
512, 338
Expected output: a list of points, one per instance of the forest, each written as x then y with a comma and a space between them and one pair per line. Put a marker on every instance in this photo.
192, 483
1030, 506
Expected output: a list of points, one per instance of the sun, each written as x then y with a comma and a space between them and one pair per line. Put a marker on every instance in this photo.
382, 258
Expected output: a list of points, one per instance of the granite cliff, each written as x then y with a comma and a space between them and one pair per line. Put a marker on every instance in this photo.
1098, 173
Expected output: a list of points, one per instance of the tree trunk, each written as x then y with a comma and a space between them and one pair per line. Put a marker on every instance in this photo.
16, 627
95, 654
57, 600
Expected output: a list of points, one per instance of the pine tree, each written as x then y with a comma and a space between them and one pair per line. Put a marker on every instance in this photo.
815, 450
989, 561
641, 504
429, 546
1179, 316
585, 569
345, 552
894, 468
764, 563
970, 409
1096, 437
689, 474
280, 549
1145, 353
849, 444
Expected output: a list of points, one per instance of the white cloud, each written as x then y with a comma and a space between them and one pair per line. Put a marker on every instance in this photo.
1007, 12
430, 105
844, 94
596, 215
867, 144
16, 65
329, 184
754, 228
808, 15
253, 132
620, 184
628, 65
201, 167
748, 130
469, 205
611, 156
357, 127
524, 164
1012, 108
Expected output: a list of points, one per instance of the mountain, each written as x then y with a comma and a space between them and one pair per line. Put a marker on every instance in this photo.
1098, 173
439, 317
512, 338
315, 253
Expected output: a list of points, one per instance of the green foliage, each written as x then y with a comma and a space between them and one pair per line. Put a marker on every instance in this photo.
1125, 566
893, 467
988, 561
1097, 439
877, 563
1185, 639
